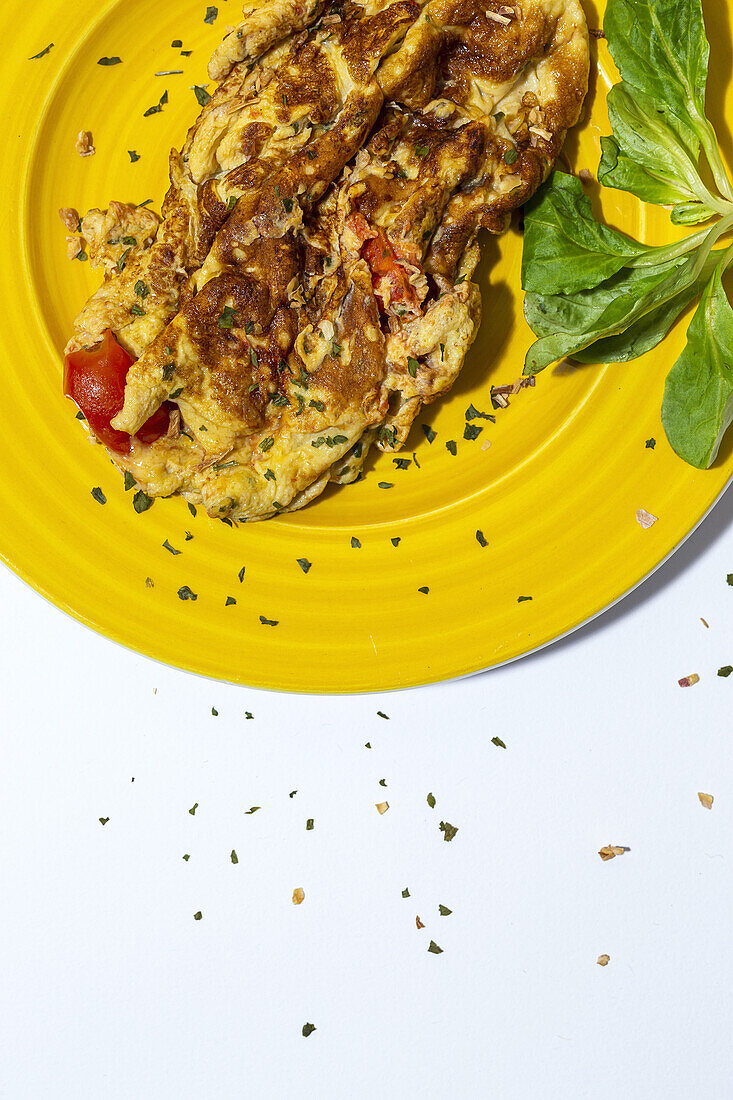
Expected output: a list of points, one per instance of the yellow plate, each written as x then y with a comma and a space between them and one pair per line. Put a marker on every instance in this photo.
555, 494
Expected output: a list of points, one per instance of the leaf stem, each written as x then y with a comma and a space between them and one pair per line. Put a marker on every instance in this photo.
665, 253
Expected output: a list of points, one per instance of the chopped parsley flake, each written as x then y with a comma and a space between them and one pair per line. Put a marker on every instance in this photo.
240, 574
226, 318
202, 96
523, 599
103, 820
234, 858
405, 893
304, 564
356, 545
308, 1029
431, 800
412, 365
498, 742
381, 714
215, 712
268, 622
185, 593
267, 443
452, 446
141, 501
42, 53
472, 413
434, 949
193, 809
444, 910
253, 809
424, 590
429, 433
134, 157
386, 485
110, 61
171, 549
211, 14
191, 508
396, 540
309, 824
510, 156
129, 480
725, 670
448, 830
481, 539
197, 916
229, 601
99, 495
472, 431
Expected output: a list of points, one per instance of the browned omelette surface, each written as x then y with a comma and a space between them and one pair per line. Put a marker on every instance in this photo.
309, 286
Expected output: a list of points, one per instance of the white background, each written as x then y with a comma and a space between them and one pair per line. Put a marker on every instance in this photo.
110, 988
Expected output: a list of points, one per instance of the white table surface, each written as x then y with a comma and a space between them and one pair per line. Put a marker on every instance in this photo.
110, 988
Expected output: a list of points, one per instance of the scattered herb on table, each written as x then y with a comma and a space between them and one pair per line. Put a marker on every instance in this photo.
309, 824
234, 857
444, 910
141, 501
197, 916
381, 714
498, 742
104, 820
193, 809
405, 893
253, 809
304, 564
215, 712
202, 96
185, 593
171, 549
99, 495
211, 14
431, 800
308, 1029
268, 622
230, 601
725, 670
448, 830
596, 295
434, 949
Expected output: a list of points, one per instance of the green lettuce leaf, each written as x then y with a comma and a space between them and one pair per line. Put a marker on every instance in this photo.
698, 394
565, 248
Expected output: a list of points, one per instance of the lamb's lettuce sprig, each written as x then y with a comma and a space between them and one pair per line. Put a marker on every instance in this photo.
597, 295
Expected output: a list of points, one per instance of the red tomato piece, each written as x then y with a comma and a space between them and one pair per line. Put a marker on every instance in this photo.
94, 378
385, 265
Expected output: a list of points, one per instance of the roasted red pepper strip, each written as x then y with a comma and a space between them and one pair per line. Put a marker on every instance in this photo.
94, 378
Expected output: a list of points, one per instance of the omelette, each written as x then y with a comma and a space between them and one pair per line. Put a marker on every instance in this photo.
308, 286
